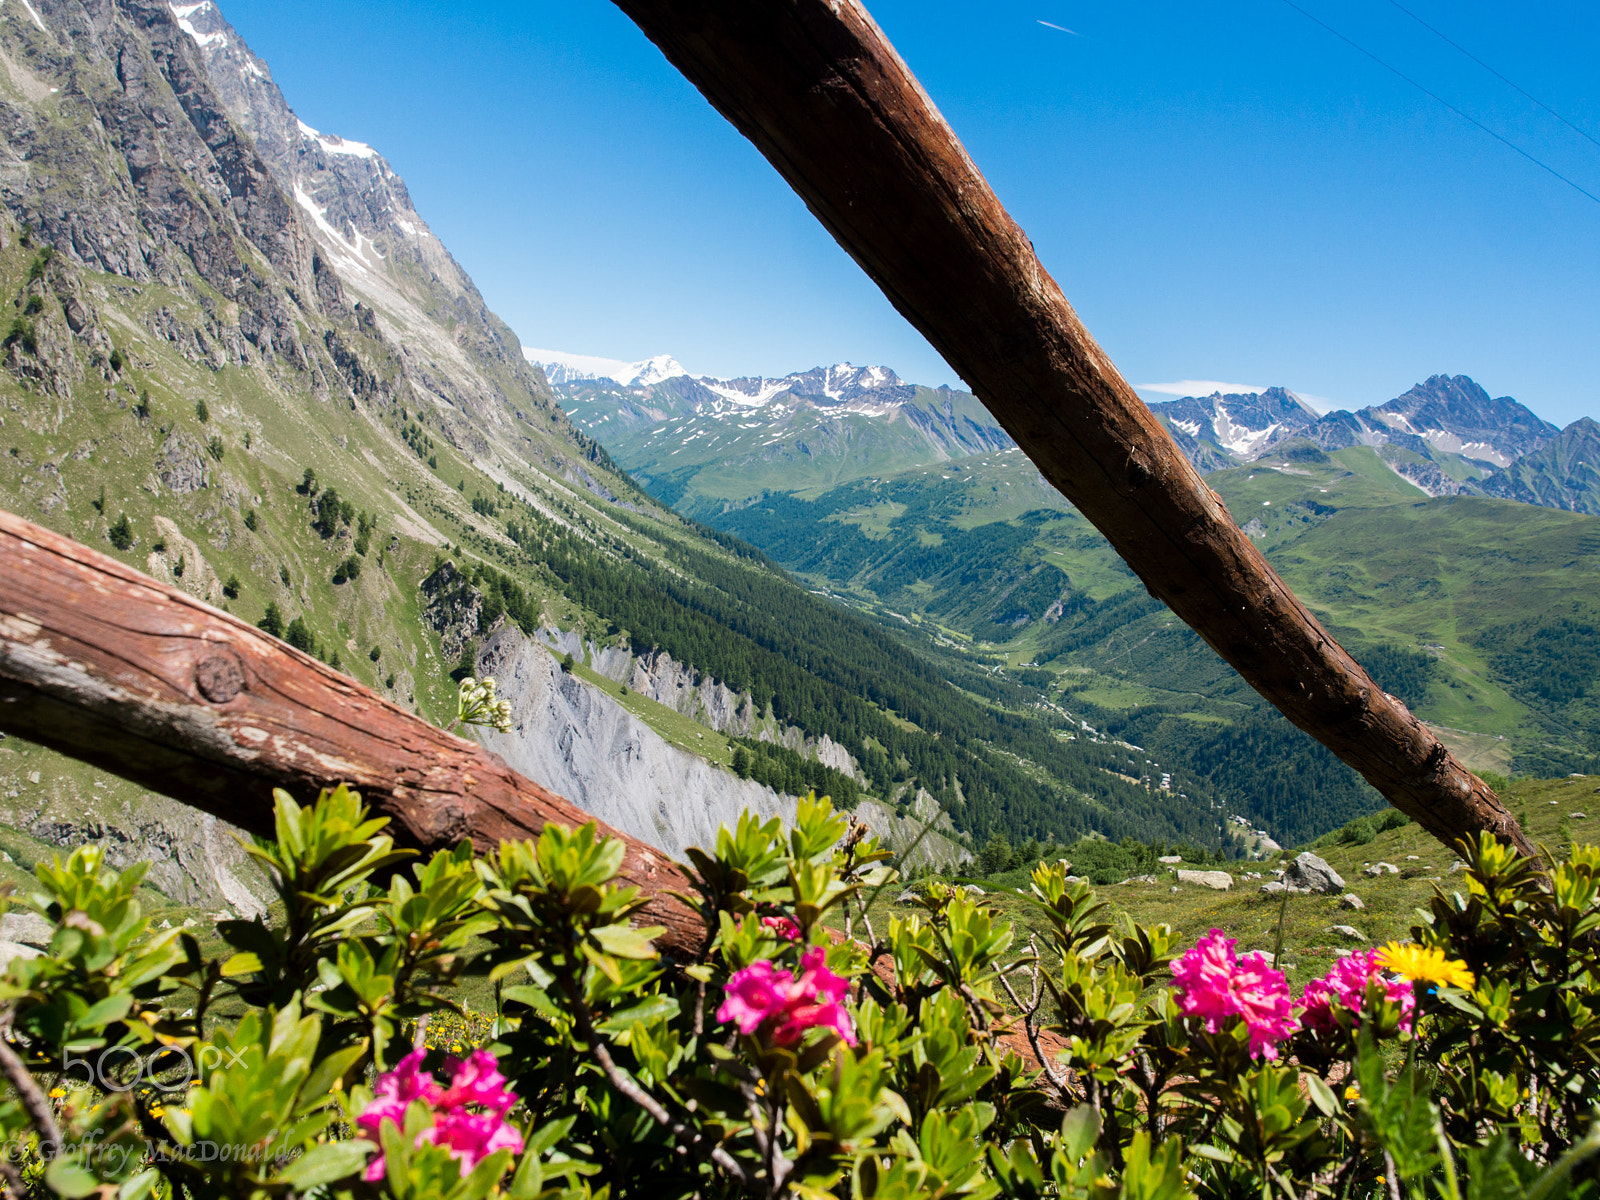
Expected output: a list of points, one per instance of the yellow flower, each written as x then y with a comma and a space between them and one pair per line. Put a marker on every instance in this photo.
57, 1093
1352, 1093
1420, 964
156, 1110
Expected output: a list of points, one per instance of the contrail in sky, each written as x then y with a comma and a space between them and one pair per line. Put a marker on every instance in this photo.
1063, 28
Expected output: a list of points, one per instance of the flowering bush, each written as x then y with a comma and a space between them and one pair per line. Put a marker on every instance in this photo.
796, 1049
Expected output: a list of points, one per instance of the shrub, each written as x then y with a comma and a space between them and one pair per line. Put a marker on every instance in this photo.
214, 447
251, 521
116, 360
375, 653
201, 412
773, 1059
33, 307
567, 663
350, 568
231, 588
120, 534
1357, 833
22, 332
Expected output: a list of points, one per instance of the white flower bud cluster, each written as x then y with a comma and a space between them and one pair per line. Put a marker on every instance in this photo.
476, 705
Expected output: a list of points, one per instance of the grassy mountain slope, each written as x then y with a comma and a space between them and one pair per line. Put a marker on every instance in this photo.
170, 414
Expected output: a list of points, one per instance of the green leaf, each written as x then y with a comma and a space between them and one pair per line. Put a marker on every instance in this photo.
327, 1163
653, 1008
69, 1178
1321, 1095
625, 942
1080, 1129
241, 964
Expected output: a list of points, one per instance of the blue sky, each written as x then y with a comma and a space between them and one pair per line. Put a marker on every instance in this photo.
1225, 192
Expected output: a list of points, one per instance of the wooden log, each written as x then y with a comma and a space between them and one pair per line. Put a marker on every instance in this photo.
818, 89
106, 664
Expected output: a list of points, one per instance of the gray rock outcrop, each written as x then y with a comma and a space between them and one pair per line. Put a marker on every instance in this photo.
1312, 873
1217, 881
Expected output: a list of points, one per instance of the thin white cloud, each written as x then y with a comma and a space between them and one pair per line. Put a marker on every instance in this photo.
1062, 28
1199, 387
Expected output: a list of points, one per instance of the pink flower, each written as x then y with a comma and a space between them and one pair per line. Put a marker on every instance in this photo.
477, 1080
470, 1136
1214, 985
783, 928
1346, 987
764, 993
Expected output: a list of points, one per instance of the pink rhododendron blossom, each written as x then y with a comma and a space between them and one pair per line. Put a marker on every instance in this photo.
763, 993
1346, 987
782, 927
469, 1135
1213, 984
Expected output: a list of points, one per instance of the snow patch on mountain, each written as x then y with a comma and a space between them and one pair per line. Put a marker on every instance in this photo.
561, 367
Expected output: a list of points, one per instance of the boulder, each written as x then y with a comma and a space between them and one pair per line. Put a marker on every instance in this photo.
973, 889
1413, 858
1351, 901
1170, 859
1312, 873
1381, 868
1578, 816
1349, 932
13, 950
907, 897
27, 929
1217, 881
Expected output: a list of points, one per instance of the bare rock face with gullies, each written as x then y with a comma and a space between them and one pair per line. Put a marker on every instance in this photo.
577, 741
193, 858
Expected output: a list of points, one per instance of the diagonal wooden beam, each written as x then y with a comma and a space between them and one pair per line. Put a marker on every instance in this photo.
105, 664
818, 89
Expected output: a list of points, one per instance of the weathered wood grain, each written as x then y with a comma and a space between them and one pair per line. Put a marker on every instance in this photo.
105, 664
818, 89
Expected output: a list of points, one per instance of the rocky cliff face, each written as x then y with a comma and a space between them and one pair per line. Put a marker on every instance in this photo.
194, 859
359, 213
579, 742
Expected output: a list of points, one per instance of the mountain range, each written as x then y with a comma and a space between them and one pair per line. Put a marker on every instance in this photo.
240, 360
967, 552
1446, 436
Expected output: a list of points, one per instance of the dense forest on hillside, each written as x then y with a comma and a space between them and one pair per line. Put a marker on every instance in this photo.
818, 665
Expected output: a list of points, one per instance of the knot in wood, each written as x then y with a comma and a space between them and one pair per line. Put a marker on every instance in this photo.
219, 677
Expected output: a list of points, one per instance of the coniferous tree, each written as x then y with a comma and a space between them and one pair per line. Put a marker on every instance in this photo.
273, 621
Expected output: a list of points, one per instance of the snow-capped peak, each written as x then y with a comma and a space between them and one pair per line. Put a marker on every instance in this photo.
182, 13
562, 367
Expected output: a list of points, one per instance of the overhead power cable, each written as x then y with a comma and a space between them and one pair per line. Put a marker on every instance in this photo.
1393, 70
1509, 83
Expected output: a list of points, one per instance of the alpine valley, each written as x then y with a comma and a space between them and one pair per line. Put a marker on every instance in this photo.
240, 360
1446, 537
